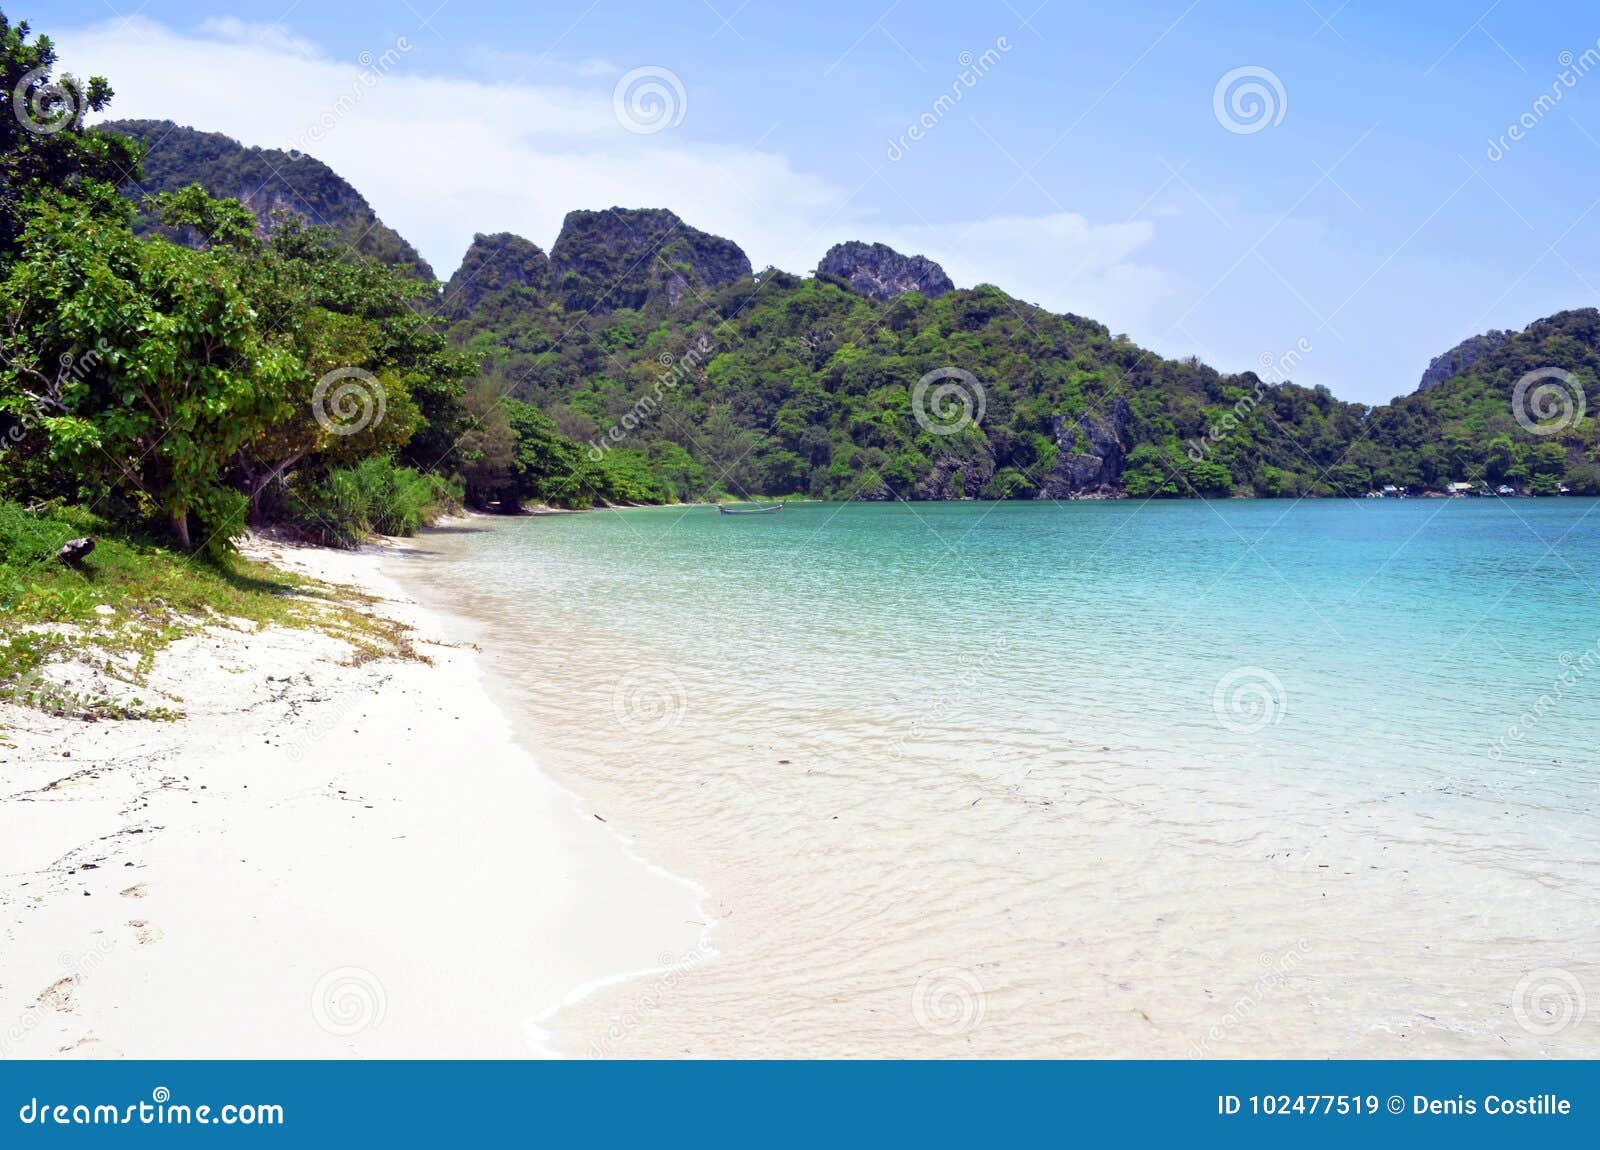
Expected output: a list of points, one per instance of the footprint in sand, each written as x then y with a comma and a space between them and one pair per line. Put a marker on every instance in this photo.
58, 995
137, 890
143, 933
89, 1047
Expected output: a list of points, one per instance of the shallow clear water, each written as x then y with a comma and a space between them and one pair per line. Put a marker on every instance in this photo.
1186, 719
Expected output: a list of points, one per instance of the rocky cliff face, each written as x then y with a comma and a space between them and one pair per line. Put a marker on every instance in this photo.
1459, 358
958, 476
637, 257
267, 180
880, 272
1092, 453
492, 264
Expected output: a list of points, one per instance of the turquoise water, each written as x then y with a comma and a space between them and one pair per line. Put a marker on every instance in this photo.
1404, 640
1182, 740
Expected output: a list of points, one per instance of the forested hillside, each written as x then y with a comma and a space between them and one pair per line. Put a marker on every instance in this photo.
856, 385
268, 181
176, 368
184, 361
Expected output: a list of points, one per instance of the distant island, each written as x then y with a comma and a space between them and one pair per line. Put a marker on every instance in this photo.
695, 376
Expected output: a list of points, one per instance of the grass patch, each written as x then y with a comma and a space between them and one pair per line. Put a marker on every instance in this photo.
132, 596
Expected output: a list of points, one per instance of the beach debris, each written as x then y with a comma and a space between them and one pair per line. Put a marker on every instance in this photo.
74, 551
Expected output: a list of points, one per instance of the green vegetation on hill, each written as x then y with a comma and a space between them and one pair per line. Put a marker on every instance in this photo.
185, 364
268, 181
802, 386
1476, 425
795, 386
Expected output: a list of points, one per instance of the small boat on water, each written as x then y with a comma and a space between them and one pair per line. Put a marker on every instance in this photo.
751, 508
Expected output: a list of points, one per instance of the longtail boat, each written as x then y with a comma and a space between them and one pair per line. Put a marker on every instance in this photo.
751, 508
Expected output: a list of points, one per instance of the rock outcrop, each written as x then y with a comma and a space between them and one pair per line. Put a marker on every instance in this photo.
1092, 453
957, 477
269, 181
1459, 358
492, 264
881, 273
637, 257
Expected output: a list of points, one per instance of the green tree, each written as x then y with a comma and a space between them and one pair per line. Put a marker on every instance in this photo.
43, 143
170, 375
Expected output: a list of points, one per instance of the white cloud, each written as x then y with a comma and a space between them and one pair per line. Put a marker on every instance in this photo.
440, 158
1059, 261
275, 37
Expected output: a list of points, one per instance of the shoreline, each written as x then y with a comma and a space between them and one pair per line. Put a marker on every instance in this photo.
477, 858
1047, 897
600, 1038
322, 858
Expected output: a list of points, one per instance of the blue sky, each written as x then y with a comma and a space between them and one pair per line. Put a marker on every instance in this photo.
1364, 225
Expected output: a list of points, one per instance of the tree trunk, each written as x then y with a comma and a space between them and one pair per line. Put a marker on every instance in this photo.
258, 485
256, 489
180, 527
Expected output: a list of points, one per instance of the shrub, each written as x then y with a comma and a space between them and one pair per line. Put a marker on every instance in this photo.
374, 497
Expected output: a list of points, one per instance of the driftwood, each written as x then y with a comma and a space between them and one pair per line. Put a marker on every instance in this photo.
74, 551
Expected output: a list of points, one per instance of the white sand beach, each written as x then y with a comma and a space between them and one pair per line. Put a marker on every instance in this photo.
335, 857
318, 859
